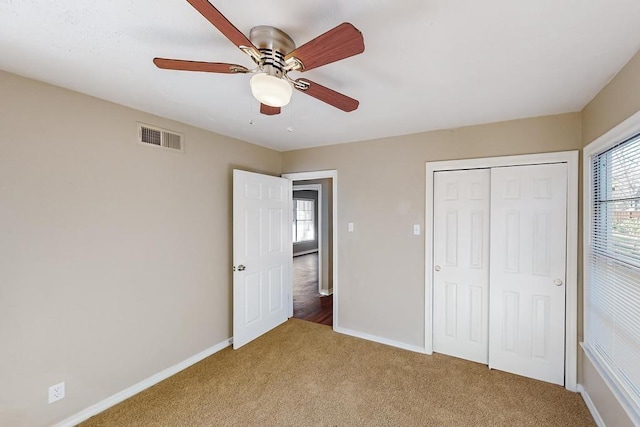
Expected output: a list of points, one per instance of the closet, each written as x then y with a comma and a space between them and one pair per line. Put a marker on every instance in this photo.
499, 261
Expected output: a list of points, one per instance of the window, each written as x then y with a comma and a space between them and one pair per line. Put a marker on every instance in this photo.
303, 220
612, 268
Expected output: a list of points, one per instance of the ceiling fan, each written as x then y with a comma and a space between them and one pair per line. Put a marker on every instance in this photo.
275, 55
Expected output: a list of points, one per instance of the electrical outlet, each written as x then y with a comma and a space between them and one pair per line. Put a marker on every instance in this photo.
56, 392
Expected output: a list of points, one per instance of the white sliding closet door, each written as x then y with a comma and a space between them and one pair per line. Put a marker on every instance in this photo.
499, 257
527, 270
461, 260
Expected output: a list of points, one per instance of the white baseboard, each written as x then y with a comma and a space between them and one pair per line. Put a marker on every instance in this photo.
591, 406
380, 340
114, 399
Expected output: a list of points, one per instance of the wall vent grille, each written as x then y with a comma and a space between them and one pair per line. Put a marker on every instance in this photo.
155, 136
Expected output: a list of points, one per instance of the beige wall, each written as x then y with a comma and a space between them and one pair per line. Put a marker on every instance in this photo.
616, 102
381, 189
609, 409
114, 257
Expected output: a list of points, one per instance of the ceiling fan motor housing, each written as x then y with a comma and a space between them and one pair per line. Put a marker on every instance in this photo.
273, 44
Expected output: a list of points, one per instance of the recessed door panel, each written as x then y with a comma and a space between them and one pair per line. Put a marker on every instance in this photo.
252, 226
275, 289
253, 190
252, 298
276, 192
451, 310
476, 314
540, 324
477, 237
452, 238
276, 222
511, 253
541, 237
510, 319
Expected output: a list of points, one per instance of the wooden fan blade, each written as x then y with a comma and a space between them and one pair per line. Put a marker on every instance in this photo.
343, 41
329, 96
269, 110
218, 20
209, 67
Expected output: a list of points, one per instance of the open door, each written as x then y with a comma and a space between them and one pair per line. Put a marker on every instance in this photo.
261, 254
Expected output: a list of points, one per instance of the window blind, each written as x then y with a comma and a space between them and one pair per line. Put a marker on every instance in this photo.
612, 286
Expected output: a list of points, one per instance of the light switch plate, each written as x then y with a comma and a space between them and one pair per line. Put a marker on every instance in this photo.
416, 229
350, 227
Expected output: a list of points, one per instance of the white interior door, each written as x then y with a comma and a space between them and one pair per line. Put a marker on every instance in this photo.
527, 270
461, 261
262, 254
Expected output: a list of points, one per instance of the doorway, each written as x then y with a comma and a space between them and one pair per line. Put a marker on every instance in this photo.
314, 264
489, 270
308, 233
312, 297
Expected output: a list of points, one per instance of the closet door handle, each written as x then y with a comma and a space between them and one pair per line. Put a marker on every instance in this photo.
437, 268
557, 282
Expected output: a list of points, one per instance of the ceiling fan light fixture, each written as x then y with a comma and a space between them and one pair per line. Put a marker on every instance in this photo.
271, 90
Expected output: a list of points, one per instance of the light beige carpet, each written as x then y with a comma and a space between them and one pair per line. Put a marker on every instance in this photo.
303, 374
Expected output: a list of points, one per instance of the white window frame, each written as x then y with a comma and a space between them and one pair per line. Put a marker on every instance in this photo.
313, 218
618, 134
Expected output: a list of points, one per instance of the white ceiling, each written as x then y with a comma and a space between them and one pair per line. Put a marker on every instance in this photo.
428, 64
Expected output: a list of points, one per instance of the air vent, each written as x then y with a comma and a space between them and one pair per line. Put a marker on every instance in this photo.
155, 136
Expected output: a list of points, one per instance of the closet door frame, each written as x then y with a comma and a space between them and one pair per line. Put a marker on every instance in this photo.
571, 321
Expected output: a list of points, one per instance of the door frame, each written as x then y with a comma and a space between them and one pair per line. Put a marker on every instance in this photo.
571, 313
304, 176
318, 220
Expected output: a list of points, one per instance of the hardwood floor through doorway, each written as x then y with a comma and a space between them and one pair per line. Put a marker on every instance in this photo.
308, 304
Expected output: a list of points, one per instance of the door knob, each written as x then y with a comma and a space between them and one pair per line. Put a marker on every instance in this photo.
557, 282
437, 268
241, 267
